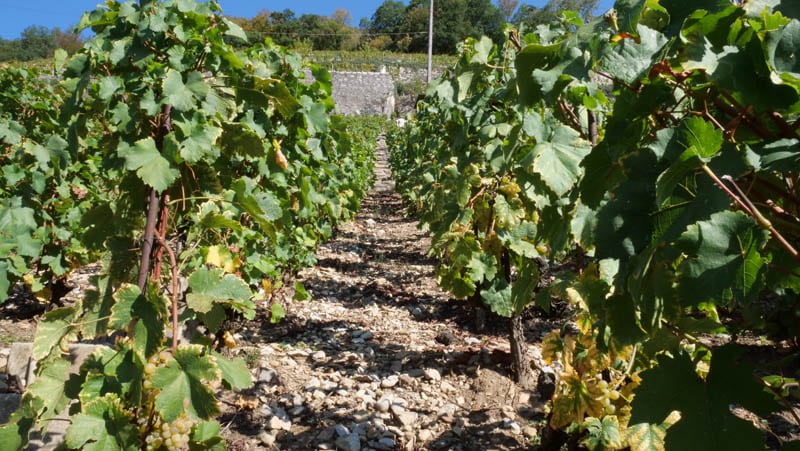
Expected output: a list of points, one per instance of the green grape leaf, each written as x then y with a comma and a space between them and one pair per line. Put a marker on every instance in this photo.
704, 405
679, 10
781, 155
300, 292
186, 6
55, 328
234, 30
199, 140
276, 313
113, 370
702, 137
5, 284
176, 92
557, 156
584, 225
316, 116
103, 425
534, 57
650, 437
483, 48
507, 212
677, 172
524, 288
629, 60
51, 385
482, 266
264, 208
206, 437
17, 226
215, 221
11, 436
183, 385
723, 254
213, 286
215, 318
235, 374
144, 158
108, 86
521, 239
239, 139
498, 298
277, 92
781, 46
702, 141
622, 318
133, 307
148, 103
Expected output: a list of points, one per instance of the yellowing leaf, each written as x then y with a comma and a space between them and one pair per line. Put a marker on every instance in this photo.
650, 437
267, 285
603, 434
575, 298
221, 257
280, 159
575, 400
552, 347
228, 338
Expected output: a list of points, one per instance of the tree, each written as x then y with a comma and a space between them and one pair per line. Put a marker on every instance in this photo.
386, 23
485, 19
454, 20
36, 42
342, 16
67, 40
507, 8
532, 16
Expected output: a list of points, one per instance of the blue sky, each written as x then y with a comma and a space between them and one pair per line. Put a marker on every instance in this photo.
19, 14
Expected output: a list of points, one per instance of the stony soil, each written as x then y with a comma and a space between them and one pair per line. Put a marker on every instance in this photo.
379, 358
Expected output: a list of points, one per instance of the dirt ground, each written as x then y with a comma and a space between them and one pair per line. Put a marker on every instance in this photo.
379, 358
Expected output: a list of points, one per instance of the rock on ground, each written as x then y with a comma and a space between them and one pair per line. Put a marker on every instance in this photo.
379, 357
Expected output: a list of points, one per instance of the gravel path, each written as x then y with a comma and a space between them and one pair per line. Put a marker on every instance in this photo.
379, 358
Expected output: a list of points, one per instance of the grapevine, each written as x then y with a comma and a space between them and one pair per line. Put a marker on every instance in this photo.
205, 176
654, 151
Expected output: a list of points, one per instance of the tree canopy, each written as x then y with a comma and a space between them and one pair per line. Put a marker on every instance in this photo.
394, 26
38, 42
531, 16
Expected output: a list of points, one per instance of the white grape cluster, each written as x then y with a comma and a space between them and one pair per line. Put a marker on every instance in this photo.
172, 436
152, 365
609, 395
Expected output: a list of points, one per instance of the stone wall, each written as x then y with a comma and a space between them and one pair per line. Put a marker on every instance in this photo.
366, 93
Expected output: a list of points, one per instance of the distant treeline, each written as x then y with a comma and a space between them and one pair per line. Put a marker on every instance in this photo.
394, 26
38, 42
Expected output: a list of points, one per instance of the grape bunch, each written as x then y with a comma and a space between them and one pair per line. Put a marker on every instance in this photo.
171, 436
161, 435
609, 395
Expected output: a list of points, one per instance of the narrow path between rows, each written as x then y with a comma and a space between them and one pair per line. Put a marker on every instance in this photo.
378, 358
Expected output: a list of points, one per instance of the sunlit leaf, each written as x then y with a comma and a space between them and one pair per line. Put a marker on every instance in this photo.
183, 385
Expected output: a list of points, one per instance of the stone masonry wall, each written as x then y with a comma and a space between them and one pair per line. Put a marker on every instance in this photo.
363, 93
367, 93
